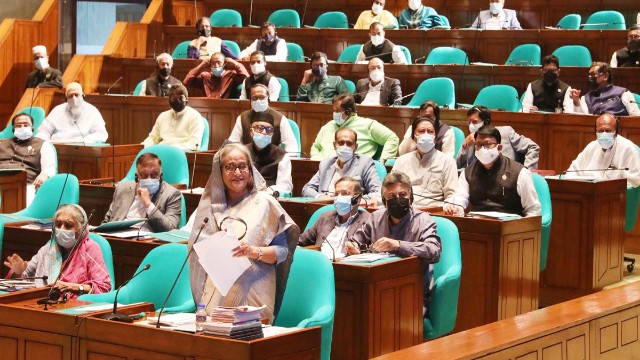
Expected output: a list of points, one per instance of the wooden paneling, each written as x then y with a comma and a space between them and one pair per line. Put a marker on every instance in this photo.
185, 13
13, 191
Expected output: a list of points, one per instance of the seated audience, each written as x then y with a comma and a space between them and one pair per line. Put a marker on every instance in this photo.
418, 16
494, 182
630, 55
378, 89
433, 175
445, 137
610, 151
219, 76
381, 48
376, 14
316, 85
260, 75
604, 97
206, 45
148, 197
274, 48
44, 76
161, 81
74, 121
181, 126
548, 93
83, 271
496, 18
371, 135
514, 146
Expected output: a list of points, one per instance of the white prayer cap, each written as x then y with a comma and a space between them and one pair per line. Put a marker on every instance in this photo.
73, 86
164, 56
39, 49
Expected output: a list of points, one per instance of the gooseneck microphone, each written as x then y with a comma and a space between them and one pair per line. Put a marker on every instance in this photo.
399, 101
114, 316
610, 168
114, 83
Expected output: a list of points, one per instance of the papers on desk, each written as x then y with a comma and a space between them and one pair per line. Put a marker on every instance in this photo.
173, 319
12, 218
174, 236
198, 190
479, 63
216, 258
128, 234
11, 285
496, 215
570, 176
366, 258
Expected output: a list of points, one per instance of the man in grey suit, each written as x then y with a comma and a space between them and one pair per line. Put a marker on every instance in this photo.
496, 18
347, 163
147, 197
378, 89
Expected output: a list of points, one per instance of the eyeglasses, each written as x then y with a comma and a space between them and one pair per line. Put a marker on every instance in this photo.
263, 129
486, 146
231, 168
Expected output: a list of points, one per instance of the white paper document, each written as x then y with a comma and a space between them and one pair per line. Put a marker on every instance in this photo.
216, 257
496, 214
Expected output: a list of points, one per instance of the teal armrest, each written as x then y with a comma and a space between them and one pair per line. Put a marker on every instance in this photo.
443, 309
320, 318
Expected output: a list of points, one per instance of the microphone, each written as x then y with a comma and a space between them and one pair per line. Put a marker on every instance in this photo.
75, 122
114, 316
610, 168
399, 101
113, 84
304, 11
251, 11
164, 305
333, 251
193, 172
274, 193
420, 58
146, 221
298, 154
521, 62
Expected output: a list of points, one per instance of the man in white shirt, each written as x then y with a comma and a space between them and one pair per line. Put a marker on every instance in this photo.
74, 121
274, 48
380, 47
260, 75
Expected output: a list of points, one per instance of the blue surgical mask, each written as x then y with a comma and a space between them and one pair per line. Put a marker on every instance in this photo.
261, 140
344, 153
260, 105
606, 139
337, 117
426, 142
495, 8
217, 71
342, 204
153, 185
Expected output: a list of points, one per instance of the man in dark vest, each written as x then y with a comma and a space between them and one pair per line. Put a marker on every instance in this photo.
494, 182
604, 97
44, 76
548, 93
260, 75
380, 47
161, 81
282, 132
630, 55
274, 48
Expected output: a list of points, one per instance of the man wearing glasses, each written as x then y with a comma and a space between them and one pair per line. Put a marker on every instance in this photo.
549, 93
148, 197
494, 182
630, 55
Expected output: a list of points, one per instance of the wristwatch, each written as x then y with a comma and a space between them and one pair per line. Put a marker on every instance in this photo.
81, 289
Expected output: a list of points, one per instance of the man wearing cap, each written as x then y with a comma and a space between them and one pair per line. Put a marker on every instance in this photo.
161, 81
44, 76
75, 121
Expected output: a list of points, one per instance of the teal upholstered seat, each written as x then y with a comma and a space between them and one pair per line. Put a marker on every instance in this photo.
459, 136
605, 20
204, 143
295, 52
382, 171
45, 203
544, 196
350, 85
446, 56
174, 162
438, 89
573, 55
225, 18
138, 90
525, 54
107, 255
180, 52
284, 90
332, 20
233, 46
350, 53
504, 97
36, 112
285, 18
570, 22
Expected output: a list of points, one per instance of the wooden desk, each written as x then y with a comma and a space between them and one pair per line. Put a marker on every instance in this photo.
587, 239
13, 191
302, 170
91, 162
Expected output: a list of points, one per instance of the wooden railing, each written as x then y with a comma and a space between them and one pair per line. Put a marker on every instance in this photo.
137, 39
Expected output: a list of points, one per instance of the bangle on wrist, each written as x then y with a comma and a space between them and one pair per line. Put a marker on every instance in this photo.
259, 254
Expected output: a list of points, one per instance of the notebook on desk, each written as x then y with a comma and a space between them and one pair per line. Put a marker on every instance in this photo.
113, 226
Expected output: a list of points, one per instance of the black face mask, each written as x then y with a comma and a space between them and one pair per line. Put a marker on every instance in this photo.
165, 72
204, 32
593, 82
550, 77
634, 44
398, 207
178, 105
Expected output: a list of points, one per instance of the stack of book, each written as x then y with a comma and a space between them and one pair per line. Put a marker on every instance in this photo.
240, 323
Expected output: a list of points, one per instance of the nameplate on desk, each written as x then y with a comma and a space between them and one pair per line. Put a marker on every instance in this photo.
573, 177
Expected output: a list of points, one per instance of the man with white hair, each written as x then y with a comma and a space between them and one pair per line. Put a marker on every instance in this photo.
74, 121
44, 76
161, 81
378, 89
496, 18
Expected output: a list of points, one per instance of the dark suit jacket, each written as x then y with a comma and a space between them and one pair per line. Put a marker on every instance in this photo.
316, 234
389, 92
166, 215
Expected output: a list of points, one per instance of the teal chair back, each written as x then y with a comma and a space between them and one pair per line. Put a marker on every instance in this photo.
633, 198
138, 90
459, 136
225, 18
544, 196
605, 20
284, 90
438, 89
573, 55
107, 255
499, 97
350, 53
296, 132
153, 285
44, 203
316, 214
570, 22
525, 54
36, 112
285, 18
350, 85
637, 98
447, 55
310, 297
295, 52
204, 143
443, 308
407, 54
180, 52
381, 169
174, 161
183, 212
233, 46
332, 20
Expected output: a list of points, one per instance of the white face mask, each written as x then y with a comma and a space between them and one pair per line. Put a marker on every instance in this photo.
65, 238
376, 8
495, 8
337, 117
376, 75
487, 156
260, 105
22, 133
415, 4
344, 153
257, 68
426, 142
42, 63
75, 102
377, 40
475, 127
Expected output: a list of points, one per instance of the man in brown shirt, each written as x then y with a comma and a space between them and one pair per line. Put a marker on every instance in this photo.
220, 77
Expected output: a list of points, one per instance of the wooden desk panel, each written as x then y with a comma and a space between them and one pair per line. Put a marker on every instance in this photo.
13, 191
92, 162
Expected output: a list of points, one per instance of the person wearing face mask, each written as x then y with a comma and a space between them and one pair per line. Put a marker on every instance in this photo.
610, 150
401, 229
377, 89
548, 93
44, 76
346, 163
514, 146
371, 134
381, 48
273, 47
334, 228
433, 175
75, 121
219, 77
180, 126
161, 81
85, 271
282, 132
630, 55
260, 75
418, 16
604, 97
445, 137
316, 85
148, 197
494, 182
496, 18
206, 45
376, 14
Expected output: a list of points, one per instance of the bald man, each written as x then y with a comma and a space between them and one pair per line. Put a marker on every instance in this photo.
378, 89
